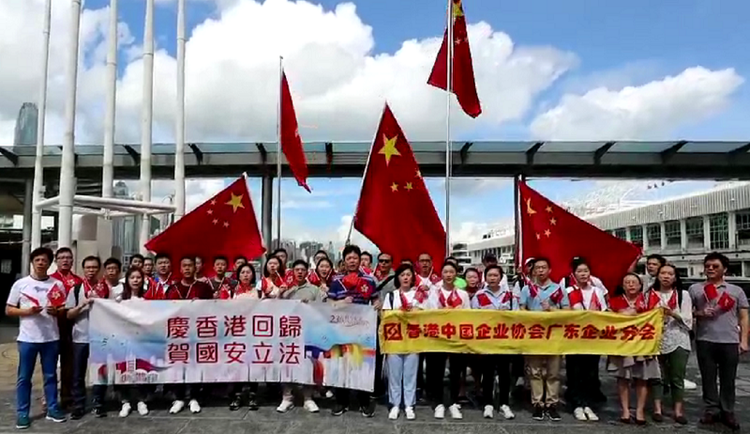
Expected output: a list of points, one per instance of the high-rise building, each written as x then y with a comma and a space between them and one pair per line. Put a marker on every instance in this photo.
26, 125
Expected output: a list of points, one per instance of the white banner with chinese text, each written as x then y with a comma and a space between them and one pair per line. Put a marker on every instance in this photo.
232, 341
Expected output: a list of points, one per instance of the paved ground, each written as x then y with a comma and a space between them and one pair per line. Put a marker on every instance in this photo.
218, 419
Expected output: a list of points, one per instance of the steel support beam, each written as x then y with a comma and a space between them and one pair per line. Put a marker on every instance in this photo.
11, 156
599, 153
669, 153
197, 152
531, 152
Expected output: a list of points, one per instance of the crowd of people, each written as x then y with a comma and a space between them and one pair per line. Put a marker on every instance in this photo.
710, 318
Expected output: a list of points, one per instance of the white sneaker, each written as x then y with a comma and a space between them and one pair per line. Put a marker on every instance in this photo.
440, 412
590, 414
286, 405
579, 414
126, 409
410, 413
393, 414
311, 406
142, 408
689, 385
194, 406
177, 407
520, 382
507, 412
489, 412
329, 394
455, 411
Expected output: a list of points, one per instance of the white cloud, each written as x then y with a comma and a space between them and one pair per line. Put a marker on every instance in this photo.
338, 82
650, 111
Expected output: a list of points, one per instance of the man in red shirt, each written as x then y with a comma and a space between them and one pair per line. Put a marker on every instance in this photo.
187, 288
64, 273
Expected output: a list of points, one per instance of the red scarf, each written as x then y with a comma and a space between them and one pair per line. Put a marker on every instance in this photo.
432, 277
288, 278
622, 302
380, 275
154, 291
404, 302
454, 300
275, 280
243, 288
421, 294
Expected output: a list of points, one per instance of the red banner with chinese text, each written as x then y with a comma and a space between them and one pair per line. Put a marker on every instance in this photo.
521, 332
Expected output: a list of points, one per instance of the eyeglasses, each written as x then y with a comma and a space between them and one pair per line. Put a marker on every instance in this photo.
384, 261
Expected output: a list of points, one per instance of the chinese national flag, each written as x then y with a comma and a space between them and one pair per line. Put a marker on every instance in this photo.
464, 85
291, 144
395, 210
552, 232
223, 225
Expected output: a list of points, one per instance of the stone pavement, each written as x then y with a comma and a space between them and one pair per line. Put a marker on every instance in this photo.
216, 418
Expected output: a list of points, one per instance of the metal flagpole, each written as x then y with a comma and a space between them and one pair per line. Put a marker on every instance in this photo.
36, 213
179, 150
67, 162
517, 217
111, 103
147, 117
278, 155
448, 150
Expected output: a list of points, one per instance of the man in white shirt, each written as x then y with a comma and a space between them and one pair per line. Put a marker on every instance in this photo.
77, 306
37, 335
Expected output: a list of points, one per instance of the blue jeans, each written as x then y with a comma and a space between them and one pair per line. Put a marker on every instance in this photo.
27, 354
402, 379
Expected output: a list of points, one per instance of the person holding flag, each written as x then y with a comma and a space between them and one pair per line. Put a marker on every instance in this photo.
721, 335
544, 371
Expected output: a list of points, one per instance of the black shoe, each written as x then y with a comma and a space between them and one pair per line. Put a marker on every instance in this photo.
235, 404
553, 414
538, 413
657, 417
369, 409
77, 414
708, 418
252, 403
98, 411
338, 409
730, 421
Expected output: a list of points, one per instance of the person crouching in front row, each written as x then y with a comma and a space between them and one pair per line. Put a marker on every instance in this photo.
402, 368
303, 291
187, 288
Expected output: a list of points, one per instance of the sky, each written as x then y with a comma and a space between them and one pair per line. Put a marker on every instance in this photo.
546, 70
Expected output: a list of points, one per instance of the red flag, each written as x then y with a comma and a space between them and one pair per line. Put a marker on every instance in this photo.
552, 232
395, 210
291, 144
710, 291
726, 302
462, 77
223, 225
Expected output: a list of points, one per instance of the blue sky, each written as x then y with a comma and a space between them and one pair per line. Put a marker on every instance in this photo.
614, 44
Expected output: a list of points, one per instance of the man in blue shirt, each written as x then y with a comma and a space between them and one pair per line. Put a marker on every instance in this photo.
355, 286
544, 371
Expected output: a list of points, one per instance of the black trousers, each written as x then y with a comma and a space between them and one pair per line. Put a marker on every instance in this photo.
496, 364
436, 374
582, 372
718, 360
80, 365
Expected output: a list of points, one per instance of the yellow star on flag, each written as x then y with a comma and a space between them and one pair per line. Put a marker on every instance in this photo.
419, 174
408, 186
538, 236
394, 187
389, 148
457, 10
553, 221
548, 209
236, 202
547, 233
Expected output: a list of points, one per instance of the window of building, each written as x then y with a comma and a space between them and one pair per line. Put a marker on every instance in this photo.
743, 228
621, 233
636, 235
694, 231
653, 234
672, 233
719, 231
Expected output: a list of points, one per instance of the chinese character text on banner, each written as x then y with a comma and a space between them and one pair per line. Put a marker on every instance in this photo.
207, 341
504, 332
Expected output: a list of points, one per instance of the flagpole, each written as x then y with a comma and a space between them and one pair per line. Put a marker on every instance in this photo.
362, 183
279, 151
448, 150
517, 217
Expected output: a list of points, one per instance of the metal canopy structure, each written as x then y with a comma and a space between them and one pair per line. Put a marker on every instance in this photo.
627, 159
